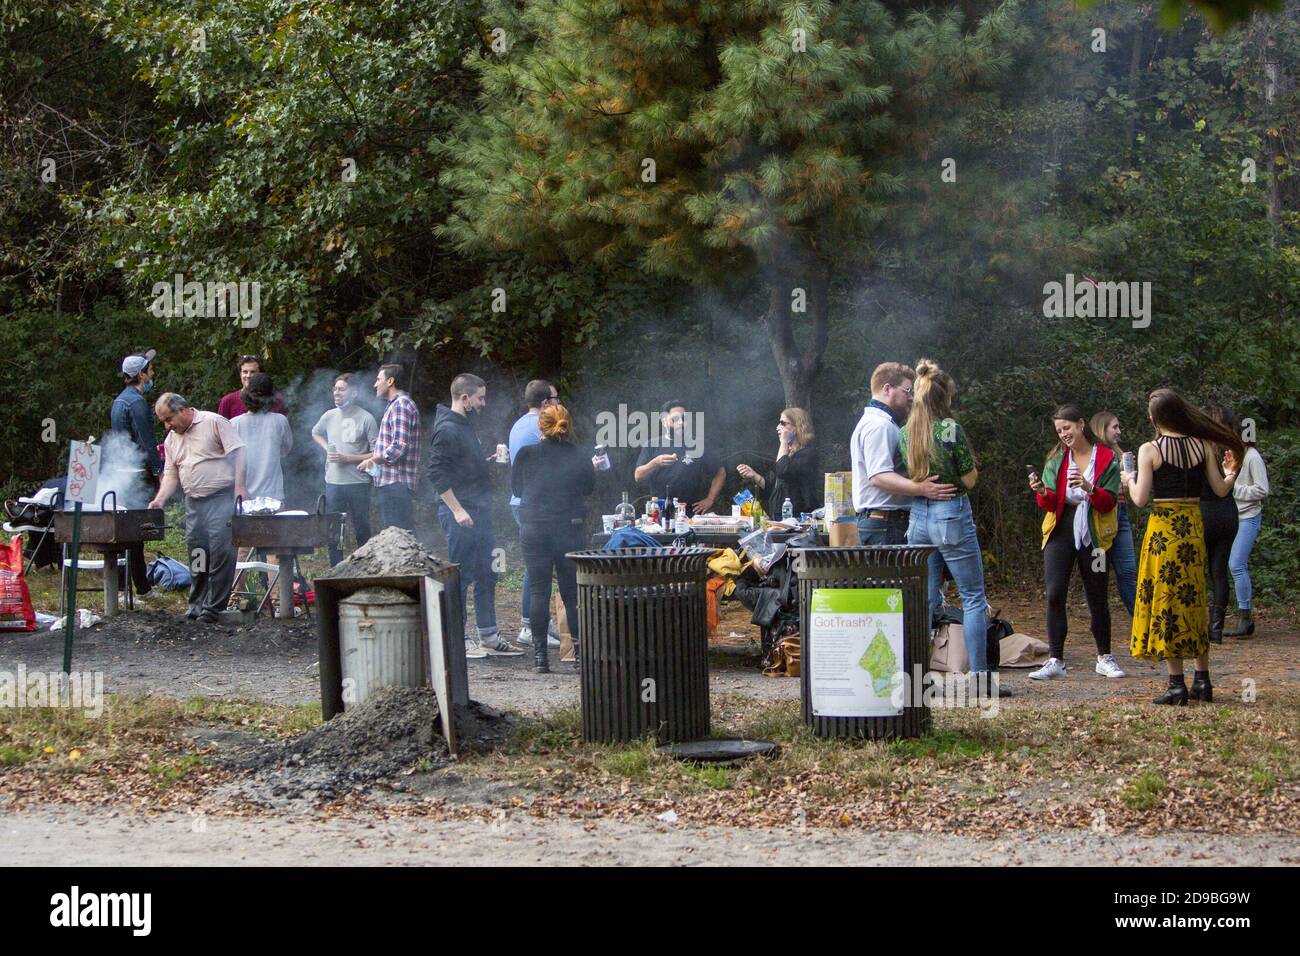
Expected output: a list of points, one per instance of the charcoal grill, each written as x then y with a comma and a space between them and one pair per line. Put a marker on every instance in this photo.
286, 537
110, 530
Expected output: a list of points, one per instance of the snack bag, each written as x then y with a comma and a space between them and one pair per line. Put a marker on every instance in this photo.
16, 611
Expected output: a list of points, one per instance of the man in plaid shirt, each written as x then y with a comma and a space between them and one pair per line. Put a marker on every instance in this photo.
394, 462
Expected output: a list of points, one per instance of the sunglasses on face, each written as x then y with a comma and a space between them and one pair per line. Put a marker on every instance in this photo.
785, 423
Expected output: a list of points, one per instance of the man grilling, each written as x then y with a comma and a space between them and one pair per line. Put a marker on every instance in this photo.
205, 458
686, 470
130, 416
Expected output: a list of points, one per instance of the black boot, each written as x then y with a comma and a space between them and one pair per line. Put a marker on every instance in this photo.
1202, 689
541, 658
1245, 625
1176, 694
1216, 624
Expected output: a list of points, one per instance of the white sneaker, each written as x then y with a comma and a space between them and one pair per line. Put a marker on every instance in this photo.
1107, 667
525, 638
474, 650
1053, 668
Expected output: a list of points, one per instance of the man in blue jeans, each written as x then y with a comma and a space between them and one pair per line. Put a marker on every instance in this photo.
881, 496
458, 470
537, 395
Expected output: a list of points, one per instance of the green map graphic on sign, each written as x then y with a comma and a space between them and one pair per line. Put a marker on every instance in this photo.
879, 661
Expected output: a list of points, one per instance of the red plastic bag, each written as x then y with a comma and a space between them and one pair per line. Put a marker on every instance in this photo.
16, 611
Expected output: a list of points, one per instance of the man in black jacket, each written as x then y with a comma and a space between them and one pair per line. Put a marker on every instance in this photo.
458, 470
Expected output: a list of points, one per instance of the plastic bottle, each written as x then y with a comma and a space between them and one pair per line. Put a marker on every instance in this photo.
787, 510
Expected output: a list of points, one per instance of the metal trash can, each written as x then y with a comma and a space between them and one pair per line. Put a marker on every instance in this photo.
643, 632
863, 621
381, 638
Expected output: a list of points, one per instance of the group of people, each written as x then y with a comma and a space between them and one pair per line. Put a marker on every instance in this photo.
913, 470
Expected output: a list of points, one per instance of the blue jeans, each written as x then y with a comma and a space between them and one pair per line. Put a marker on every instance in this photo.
950, 527
1247, 532
891, 530
524, 619
1123, 558
472, 548
395, 510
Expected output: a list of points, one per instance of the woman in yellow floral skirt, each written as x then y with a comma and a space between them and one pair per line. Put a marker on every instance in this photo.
1171, 621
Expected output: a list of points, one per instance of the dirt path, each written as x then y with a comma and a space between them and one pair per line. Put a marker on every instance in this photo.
60, 837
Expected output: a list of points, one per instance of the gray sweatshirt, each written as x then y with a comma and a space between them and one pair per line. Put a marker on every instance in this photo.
1251, 487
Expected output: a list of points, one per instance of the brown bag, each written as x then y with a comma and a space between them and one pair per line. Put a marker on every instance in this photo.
843, 534
562, 625
948, 651
784, 658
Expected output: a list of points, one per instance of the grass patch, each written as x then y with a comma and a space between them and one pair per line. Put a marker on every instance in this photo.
168, 772
1144, 791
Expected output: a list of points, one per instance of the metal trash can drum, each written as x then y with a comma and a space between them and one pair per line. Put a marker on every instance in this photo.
863, 619
643, 632
381, 642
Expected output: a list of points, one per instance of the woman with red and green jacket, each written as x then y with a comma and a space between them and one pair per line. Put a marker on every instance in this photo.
1079, 489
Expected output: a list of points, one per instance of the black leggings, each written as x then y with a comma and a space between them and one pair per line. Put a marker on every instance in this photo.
544, 544
1059, 557
1220, 517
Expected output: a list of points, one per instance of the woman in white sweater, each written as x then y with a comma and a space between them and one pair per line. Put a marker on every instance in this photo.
1250, 491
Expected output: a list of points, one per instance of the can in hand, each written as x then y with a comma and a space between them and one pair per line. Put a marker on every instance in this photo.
503, 454
602, 458
1129, 462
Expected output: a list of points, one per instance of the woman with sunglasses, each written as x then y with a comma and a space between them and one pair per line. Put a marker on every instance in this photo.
796, 474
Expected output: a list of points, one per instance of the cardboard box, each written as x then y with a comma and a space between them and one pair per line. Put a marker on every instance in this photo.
843, 533
839, 494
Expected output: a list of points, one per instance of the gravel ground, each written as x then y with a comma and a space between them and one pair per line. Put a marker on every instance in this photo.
63, 837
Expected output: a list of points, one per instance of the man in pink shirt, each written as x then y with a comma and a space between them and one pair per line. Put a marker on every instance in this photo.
232, 403
205, 459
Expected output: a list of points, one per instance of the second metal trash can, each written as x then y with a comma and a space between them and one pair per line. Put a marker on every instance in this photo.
863, 619
643, 632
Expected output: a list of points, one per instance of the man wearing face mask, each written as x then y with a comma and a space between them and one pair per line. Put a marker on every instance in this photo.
347, 432
130, 415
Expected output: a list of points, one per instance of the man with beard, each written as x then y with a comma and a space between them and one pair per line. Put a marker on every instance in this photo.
458, 470
394, 462
205, 458
687, 471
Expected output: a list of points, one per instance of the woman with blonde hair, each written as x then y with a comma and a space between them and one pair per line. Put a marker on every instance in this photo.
551, 480
1172, 620
1122, 556
796, 473
932, 443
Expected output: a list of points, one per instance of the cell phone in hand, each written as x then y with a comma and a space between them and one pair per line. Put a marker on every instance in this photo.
1032, 472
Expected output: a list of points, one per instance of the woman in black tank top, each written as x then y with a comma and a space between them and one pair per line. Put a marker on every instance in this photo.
1171, 621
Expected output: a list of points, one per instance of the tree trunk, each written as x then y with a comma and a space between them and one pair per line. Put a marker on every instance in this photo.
1135, 78
798, 366
1272, 85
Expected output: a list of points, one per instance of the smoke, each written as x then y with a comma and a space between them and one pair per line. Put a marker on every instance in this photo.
121, 471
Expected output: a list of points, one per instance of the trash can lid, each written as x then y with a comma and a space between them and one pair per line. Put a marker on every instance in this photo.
373, 596
719, 751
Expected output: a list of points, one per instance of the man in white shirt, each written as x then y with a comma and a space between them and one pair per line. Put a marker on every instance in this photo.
881, 496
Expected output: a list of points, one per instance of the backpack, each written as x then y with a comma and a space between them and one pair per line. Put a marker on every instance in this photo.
168, 573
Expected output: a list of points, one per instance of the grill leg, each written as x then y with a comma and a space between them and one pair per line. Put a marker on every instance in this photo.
285, 581
110, 583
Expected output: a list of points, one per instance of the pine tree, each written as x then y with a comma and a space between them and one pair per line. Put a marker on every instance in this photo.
755, 142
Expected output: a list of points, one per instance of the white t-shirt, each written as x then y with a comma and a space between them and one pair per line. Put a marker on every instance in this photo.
267, 439
871, 451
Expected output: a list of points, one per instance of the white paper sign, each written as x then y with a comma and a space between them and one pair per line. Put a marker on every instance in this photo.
83, 473
855, 651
